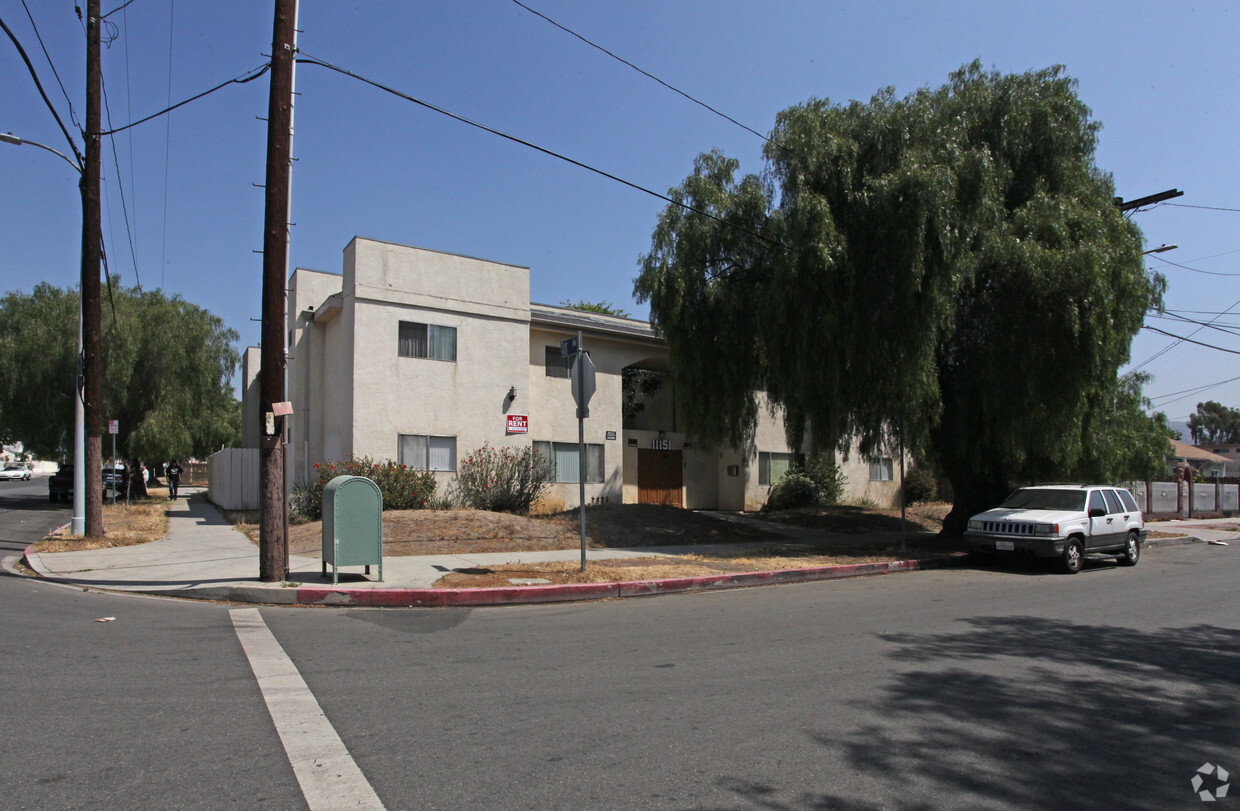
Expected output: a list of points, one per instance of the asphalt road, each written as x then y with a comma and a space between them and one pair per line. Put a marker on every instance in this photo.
1016, 688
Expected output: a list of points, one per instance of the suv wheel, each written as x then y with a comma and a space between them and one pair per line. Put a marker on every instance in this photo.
1073, 556
1132, 551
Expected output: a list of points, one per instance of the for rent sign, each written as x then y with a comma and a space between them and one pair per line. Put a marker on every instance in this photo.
518, 424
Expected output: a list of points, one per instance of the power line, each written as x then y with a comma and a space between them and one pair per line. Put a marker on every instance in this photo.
1207, 208
1230, 329
77, 153
50, 64
1182, 394
639, 70
1171, 346
248, 76
116, 161
1190, 340
1194, 270
312, 60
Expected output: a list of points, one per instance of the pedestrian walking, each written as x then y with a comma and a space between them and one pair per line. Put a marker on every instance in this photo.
174, 479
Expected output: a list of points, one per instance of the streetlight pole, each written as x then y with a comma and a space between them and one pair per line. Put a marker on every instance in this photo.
77, 523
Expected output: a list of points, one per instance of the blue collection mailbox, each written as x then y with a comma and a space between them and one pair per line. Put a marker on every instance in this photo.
352, 525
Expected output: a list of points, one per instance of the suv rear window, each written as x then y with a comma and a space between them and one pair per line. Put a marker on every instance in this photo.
1129, 502
1113, 505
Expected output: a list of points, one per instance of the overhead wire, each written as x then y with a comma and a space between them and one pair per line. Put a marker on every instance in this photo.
306, 58
1194, 270
642, 72
116, 161
52, 65
77, 153
1180, 395
1190, 340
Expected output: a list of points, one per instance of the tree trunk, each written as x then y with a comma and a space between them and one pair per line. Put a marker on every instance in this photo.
973, 494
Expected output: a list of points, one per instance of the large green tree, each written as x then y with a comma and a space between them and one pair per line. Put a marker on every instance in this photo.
167, 368
1214, 423
948, 268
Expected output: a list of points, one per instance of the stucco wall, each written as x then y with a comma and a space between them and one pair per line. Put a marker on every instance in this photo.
488, 305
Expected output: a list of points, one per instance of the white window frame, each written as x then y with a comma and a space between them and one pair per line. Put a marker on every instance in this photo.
434, 339
882, 469
596, 461
765, 458
430, 443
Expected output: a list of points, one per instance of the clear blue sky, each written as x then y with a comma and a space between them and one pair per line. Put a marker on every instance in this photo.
1163, 78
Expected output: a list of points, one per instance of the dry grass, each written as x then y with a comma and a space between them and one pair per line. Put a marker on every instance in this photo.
139, 522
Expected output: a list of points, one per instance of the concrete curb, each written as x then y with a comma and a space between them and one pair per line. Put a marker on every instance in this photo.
380, 597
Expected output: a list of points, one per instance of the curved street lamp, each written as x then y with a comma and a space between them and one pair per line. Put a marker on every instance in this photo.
77, 523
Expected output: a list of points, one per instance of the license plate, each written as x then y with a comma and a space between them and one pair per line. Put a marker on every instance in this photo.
1005, 546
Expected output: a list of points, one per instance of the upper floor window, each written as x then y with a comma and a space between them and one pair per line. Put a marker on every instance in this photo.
427, 341
557, 366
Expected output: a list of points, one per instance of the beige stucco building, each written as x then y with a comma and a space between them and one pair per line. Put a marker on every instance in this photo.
421, 357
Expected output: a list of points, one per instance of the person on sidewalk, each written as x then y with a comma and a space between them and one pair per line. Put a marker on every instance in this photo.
174, 479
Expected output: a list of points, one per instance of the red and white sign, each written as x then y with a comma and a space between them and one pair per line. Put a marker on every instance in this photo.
114, 426
518, 424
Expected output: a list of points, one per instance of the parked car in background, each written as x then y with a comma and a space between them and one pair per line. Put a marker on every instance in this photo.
115, 478
1065, 521
60, 484
12, 473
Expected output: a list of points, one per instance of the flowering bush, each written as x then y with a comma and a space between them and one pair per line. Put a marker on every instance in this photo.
503, 479
402, 488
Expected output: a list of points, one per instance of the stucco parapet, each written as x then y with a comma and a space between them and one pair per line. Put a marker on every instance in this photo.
388, 296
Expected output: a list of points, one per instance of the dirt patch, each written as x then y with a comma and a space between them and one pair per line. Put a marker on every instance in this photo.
139, 522
852, 520
452, 532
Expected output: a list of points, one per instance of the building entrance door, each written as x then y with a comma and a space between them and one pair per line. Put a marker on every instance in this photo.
660, 476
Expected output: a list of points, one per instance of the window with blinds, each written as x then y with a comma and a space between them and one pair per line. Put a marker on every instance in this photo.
421, 452
567, 460
427, 341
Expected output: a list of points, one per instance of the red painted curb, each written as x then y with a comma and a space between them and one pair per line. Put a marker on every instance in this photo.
572, 592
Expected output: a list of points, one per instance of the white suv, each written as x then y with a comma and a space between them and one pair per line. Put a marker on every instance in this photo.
1067, 521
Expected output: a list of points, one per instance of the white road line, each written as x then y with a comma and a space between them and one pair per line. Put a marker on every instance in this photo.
329, 777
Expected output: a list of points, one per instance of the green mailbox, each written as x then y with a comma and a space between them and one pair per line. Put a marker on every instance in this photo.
352, 525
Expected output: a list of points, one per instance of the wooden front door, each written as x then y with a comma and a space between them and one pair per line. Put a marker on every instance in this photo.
659, 477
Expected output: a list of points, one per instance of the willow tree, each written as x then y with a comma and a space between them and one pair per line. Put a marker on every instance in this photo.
947, 269
166, 373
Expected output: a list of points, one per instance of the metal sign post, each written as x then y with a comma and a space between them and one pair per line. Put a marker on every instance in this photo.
113, 428
583, 389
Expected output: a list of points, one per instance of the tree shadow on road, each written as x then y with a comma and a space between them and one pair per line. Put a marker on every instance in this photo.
1026, 712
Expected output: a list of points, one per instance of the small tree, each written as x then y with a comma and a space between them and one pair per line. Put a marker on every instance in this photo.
503, 479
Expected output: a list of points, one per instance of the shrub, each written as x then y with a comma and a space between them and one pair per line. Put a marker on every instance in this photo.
919, 486
402, 488
815, 482
824, 473
502, 479
794, 490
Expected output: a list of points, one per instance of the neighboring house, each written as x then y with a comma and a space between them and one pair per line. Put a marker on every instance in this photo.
421, 357
1205, 464
1230, 454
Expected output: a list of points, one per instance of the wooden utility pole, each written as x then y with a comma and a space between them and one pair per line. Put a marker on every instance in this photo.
273, 542
92, 234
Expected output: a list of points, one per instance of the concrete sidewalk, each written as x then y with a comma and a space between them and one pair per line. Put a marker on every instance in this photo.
204, 557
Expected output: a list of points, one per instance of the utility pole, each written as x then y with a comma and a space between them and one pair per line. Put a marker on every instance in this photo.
273, 542
92, 234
